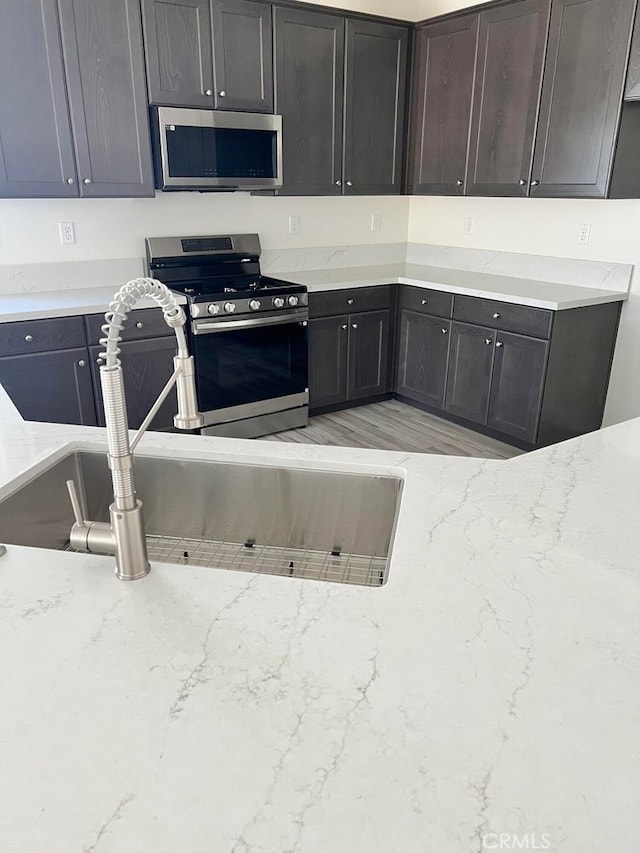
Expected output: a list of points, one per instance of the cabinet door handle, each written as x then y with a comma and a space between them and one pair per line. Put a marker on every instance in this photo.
28, 338
496, 316
349, 301
87, 181
70, 181
338, 183
82, 362
208, 92
534, 183
354, 325
222, 94
349, 183
345, 326
522, 182
488, 341
425, 301
139, 324
445, 331
498, 343
459, 183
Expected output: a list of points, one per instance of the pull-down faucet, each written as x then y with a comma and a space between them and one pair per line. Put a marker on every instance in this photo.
124, 536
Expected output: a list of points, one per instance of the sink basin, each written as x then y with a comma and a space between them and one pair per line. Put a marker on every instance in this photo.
306, 523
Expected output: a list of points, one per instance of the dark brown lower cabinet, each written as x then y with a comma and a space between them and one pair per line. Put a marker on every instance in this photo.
470, 365
517, 384
496, 379
423, 353
348, 358
146, 367
54, 387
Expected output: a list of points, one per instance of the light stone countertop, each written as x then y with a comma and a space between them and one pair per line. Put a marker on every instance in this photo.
34, 305
491, 686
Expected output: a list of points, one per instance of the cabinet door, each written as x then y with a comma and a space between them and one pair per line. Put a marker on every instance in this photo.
581, 97
146, 367
368, 372
446, 55
511, 43
469, 376
102, 45
376, 82
177, 35
516, 386
422, 359
36, 150
309, 65
54, 387
328, 341
243, 55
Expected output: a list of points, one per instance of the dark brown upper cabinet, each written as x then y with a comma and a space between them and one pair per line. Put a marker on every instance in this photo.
309, 50
73, 117
341, 91
443, 86
582, 89
178, 49
36, 150
508, 77
375, 86
102, 48
242, 55
209, 54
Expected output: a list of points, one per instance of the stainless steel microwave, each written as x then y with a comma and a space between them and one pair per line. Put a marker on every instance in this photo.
198, 149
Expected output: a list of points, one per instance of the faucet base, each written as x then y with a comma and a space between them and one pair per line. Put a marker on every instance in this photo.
132, 561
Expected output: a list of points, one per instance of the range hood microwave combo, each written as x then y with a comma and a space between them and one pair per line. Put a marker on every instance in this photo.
199, 149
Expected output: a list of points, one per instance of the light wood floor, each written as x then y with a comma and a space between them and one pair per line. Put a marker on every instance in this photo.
392, 425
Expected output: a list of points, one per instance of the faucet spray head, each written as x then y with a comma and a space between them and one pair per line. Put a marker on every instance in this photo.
188, 416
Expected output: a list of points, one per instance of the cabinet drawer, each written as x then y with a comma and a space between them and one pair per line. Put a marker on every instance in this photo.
41, 335
503, 315
141, 323
354, 299
426, 301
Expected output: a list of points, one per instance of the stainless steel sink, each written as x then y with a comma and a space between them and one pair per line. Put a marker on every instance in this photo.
287, 521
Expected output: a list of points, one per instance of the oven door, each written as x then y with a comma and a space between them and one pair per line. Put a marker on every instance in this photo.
250, 366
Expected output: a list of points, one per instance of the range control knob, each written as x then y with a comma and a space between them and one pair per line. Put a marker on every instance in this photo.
293, 301
278, 302
213, 308
229, 307
254, 304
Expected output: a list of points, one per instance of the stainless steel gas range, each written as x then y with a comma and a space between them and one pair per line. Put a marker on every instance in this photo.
247, 332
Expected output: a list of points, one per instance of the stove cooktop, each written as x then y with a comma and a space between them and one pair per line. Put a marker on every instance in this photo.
206, 291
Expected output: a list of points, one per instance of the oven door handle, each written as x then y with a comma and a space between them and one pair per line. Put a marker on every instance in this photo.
206, 327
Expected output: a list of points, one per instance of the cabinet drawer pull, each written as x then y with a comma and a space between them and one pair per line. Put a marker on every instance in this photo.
208, 92
445, 331
344, 326
425, 301
349, 301
70, 181
496, 315
82, 362
498, 343
522, 182
139, 324
488, 341
534, 183
354, 325
222, 94
87, 181
349, 183
459, 183
28, 338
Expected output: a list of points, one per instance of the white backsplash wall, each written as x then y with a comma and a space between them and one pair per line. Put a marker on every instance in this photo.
550, 227
116, 228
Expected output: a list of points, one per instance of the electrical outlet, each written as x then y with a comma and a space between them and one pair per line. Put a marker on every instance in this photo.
294, 225
584, 232
67, 233
376, 222
468, 225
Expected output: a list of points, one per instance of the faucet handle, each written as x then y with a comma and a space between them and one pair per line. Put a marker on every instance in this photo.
75, 503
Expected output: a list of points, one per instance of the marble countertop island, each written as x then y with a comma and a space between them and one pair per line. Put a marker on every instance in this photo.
490, 687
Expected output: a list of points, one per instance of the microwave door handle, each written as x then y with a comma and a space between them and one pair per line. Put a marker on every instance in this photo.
208, 328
